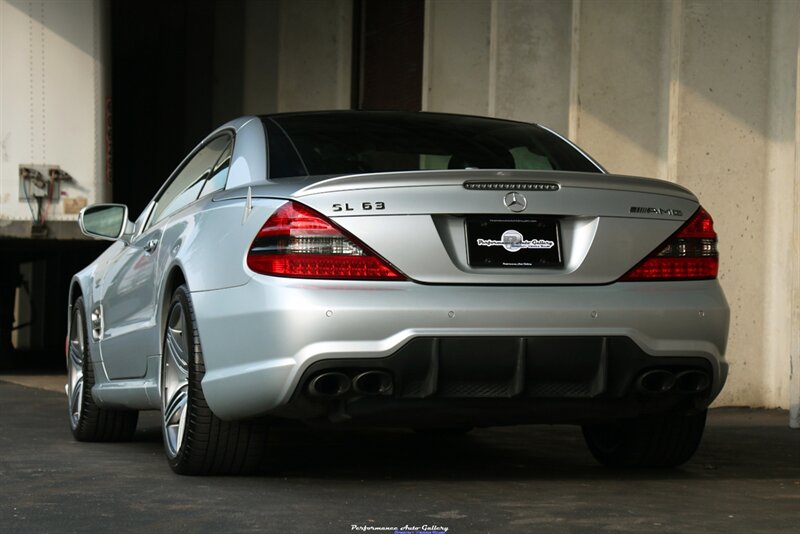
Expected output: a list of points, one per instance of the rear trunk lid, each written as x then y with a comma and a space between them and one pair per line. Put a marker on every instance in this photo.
501, 227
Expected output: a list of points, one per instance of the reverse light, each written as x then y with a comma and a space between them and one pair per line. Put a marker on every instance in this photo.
298, 242
689, 254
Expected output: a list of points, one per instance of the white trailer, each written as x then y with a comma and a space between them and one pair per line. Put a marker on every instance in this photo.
54, 115
55, 152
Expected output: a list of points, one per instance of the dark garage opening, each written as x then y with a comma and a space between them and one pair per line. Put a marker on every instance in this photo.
177, 72
161, 86
161, 89
388, 45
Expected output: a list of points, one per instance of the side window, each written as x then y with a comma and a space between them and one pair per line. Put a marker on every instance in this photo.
219, 173
186, 186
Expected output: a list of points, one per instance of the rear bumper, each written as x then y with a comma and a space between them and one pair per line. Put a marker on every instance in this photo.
261, 340
468, 381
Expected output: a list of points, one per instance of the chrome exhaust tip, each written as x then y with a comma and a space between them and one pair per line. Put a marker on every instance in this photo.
693, 381
373, 383
655, 382
330, 385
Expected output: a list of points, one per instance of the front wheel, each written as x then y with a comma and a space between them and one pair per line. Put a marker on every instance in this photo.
653, 441
196, 441
87, 420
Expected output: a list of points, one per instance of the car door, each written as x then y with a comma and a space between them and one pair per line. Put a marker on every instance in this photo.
130, 292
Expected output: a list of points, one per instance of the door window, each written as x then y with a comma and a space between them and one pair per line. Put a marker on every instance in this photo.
187, 184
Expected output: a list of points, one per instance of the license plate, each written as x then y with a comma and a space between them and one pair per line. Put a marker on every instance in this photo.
521, 242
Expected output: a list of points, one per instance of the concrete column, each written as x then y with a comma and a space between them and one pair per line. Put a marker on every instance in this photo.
456, 56
781, 173
228, 65
532, 75
315, 54
722, 157
622, 84
502, 58
699, 92
260, 87
794, 363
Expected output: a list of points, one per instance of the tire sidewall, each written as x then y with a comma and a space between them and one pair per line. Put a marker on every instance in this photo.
181, 297
78, 429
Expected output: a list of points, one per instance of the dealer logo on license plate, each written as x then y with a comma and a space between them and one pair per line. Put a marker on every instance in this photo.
521, 242
513, 241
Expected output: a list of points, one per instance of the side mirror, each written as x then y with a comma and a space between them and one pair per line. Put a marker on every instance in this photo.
104, 221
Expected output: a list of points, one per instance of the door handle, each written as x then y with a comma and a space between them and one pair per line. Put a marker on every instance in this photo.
151, 245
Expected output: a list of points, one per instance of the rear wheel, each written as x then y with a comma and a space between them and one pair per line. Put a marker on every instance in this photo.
196, 441
87, 420
654, 441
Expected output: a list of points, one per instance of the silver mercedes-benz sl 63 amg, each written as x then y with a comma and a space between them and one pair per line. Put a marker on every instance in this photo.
428, 271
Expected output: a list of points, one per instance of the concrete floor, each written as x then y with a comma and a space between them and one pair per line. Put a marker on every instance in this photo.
49, 382
744, 478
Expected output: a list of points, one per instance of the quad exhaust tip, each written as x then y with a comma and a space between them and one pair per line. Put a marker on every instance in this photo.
373, 383
655, 382
692, 381
331, 385
334, 384
658, 381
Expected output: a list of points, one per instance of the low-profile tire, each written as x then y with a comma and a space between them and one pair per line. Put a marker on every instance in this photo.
654, 441
87, 420
196, 441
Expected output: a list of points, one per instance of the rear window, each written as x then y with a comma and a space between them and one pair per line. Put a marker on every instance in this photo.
365, 142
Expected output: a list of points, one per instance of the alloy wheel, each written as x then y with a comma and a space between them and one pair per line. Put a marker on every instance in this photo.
76, 351
175, 380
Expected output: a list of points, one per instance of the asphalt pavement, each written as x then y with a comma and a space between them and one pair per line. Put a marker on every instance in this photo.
744, 478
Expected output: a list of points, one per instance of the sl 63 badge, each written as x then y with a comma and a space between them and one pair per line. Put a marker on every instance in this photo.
365, 206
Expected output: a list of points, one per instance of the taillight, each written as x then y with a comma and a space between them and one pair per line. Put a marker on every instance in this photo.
690, 254
298, 242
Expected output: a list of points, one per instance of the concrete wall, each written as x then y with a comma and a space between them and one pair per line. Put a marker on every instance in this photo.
699, 92
315, 54
456, 53
622, 70
722, 143
507, 58
281, 55
782, 287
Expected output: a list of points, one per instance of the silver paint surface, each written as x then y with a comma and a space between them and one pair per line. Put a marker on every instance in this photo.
259, 333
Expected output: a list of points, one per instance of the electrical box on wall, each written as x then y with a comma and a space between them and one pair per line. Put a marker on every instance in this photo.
42, 187
39, 182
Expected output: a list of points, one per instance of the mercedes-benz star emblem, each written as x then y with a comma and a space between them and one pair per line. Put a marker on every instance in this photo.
515, 202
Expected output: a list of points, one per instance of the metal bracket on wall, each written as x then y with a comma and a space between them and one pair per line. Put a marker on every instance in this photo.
40, 187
